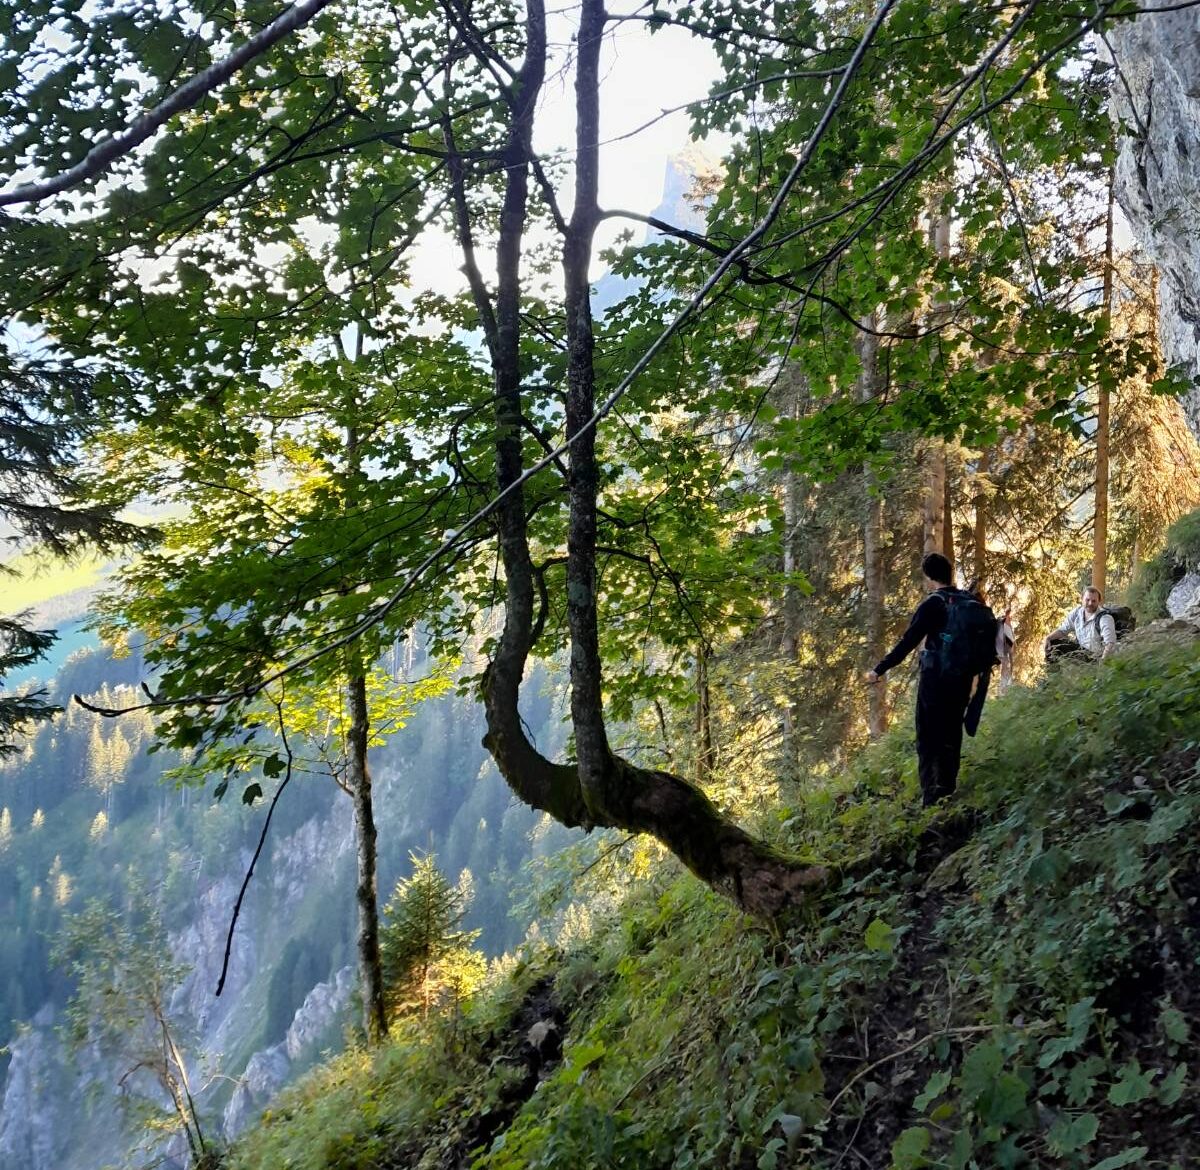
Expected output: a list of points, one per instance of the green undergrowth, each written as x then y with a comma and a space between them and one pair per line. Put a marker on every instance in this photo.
1014, 984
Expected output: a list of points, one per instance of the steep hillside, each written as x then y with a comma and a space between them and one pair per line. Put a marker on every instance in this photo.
84, 812
1011, 982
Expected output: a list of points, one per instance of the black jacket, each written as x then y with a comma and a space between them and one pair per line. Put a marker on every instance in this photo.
929, 620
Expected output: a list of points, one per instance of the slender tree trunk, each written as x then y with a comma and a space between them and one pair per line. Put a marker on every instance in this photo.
793, 503
933, 514
370, 966
704, 740
1100, 520
358, 781
938, 526
591, 740
182, 1099
874, 625
789, 643
980, 502
947, 514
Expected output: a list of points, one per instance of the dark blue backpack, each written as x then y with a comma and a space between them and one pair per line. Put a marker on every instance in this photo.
967, 645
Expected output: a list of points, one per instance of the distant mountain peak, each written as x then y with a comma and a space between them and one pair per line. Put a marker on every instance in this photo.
687, 173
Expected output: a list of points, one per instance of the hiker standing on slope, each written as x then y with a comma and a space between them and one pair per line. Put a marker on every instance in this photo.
959, 634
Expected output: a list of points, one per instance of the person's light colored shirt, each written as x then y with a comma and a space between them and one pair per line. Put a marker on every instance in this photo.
1095, 633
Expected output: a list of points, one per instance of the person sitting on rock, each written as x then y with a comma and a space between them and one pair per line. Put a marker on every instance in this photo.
1087, 633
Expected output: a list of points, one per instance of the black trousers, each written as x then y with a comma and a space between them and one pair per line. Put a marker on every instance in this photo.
941, 705
1064, 648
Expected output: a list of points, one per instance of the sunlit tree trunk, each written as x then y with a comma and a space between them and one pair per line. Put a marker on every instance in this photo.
937, 523
979, 559
933, 508
1100, 520
873, 582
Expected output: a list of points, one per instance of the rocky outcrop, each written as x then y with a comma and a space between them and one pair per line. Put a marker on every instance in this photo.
264, 1076
1156, 100
268, 1071
29, 1137
1183, 602
41, 1124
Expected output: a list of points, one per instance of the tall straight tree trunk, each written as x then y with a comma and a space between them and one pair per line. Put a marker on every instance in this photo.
938, 526
980, 503
704, 738
793, 505
947, 512
366, 888
873, 586
1100, 519
358, 780
933, 507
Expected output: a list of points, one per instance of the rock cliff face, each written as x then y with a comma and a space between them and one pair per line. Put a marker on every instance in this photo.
271, 1069
1156, 99
1183, 602
28, 1134
40, 1123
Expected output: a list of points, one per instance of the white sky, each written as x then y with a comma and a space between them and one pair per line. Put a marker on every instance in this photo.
641, 75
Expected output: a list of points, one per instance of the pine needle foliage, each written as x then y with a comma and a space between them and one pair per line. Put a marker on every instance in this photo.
21, 646
427, 958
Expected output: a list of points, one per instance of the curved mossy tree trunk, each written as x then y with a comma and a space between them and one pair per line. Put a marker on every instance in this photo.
601, 789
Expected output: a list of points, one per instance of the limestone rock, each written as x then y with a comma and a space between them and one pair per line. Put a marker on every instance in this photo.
265, 1074
1156, 99
318, 1013
1183, 602
29, 1137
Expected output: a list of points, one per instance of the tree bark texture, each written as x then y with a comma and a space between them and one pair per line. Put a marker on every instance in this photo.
587, 713
980, 504
947, 510
1103, 428
704, 739
939, 537
358, 776
933, 506
794, 504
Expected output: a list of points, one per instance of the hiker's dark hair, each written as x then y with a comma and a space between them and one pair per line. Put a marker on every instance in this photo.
937, 568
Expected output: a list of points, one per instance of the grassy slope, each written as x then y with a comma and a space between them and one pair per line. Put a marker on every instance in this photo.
1015, 986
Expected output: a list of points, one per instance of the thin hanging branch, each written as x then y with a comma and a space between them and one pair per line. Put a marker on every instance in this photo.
262, 840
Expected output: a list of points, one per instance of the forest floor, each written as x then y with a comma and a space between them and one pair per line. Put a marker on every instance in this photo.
1015, 986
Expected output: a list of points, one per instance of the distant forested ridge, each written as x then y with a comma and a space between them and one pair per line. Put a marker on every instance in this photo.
84, 812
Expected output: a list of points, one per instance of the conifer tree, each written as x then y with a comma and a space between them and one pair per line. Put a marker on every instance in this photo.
427, 956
